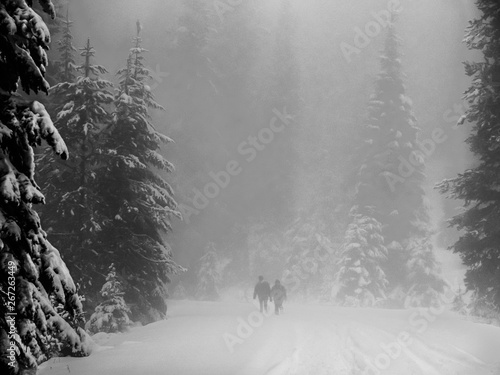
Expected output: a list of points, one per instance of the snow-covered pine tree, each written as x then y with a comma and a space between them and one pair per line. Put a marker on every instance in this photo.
424, 282
389, 137
387, 183
111, 315
306, 255
234, 46
361, 279
139, 202
74, 213
56, 26
209, 275
482, 306
65, 67
33, 277
264, 249
479, 245
180, 291
459, 305
192, 68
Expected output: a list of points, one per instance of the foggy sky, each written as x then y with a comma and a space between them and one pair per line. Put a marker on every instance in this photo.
433, 53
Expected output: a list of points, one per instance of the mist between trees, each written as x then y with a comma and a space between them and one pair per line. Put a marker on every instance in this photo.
304, 140
221, 179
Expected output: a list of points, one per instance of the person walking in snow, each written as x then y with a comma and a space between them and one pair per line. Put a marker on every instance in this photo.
263, 291
278, 296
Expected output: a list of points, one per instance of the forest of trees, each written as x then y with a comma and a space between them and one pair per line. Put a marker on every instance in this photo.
388, 208
41, 311
115, 212
109, 205
108, 208
478, 245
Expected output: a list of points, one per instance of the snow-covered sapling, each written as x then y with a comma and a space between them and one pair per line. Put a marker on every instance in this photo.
111, 315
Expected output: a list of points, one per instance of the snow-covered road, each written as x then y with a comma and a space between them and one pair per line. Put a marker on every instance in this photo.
206, 338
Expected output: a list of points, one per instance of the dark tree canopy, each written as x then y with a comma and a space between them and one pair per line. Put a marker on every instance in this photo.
74, 215
387, 183
34, 281
139, 202
479, 246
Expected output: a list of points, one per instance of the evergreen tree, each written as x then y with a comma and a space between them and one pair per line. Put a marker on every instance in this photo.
424, 283
307, 253
139, 202
33, 277
209, 275
111, 315
361, 279
482, 306
180, 291
233, 48
58, 28
192, 67
74, 213
459, 304
64, 68
191, 85
265, 249
388, 178
479, 246
66, 65
389, 138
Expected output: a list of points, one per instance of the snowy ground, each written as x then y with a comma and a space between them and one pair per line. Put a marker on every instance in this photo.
205, 338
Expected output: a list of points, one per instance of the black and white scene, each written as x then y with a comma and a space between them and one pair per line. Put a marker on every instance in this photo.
250, 187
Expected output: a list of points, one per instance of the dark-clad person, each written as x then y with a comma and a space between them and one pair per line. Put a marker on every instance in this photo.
263, 291
278, 295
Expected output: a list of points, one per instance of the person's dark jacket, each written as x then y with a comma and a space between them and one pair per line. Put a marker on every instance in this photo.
278, 293
262, 290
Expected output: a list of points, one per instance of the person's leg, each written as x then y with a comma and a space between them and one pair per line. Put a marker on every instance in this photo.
261, 302
265, 305
276, 308
279, 305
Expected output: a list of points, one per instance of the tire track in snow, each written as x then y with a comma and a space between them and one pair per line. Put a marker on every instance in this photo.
444, 359
318, 350
344, 346
418, 357
273, 350
306, 340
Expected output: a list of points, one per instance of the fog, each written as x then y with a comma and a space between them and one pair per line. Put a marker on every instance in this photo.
224, 71
275, 187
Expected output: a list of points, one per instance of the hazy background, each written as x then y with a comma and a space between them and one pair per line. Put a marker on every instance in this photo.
214, 102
